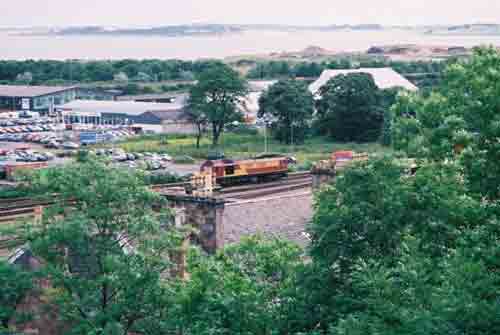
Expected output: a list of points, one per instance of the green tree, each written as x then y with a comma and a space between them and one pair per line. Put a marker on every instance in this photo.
388, 98
218, 94
16, 282
290, 106
196, 116
461, 114
363, 215
104, 249
240, 290
349, 108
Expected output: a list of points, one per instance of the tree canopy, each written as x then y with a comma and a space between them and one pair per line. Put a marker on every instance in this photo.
218, 96
289, 106
103, 248
349, 108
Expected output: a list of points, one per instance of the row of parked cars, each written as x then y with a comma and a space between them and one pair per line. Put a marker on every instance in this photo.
28, 156
50, 140
147, 161
24, 121
27, 129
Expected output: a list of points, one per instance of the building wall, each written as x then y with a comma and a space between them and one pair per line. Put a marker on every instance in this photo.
10, 103
169, 128
43, 103
94, 94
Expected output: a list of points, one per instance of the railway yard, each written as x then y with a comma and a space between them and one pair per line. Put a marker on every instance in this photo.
15, 208
224, 199
247, 209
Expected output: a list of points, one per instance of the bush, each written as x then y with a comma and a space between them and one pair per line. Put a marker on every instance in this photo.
306, 165
243, 129
161, 178
184, 159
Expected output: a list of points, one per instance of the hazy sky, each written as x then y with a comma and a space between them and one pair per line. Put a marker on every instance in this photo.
303, 12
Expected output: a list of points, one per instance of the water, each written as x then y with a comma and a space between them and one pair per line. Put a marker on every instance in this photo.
247, 43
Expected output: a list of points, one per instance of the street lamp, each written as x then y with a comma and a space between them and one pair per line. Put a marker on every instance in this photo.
267, 122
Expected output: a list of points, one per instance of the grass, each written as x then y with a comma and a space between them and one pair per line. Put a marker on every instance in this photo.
244, 146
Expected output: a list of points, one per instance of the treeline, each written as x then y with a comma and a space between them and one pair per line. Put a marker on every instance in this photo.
35, 72
47, 71
423, 73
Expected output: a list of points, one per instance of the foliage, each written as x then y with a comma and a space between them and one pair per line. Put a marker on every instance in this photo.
240, 290
391, 247
16, 282
423, 73
388, 99
161, 178
106, 254
42, 71
289, 105
362, 216
184, 159
349, 108
455, 296
217, 97
462, 114
245, 146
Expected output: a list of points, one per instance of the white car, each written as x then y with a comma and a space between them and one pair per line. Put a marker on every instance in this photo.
70, 145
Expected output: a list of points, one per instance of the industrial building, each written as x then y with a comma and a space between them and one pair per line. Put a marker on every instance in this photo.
384, 78
41, 99
157, 117
154, 97
88, 93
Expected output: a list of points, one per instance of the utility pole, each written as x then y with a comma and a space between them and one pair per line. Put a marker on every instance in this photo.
265, 137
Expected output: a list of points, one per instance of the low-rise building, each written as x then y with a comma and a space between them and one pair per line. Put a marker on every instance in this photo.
384, 78
87, 93
157, 117
154, 97
41, 99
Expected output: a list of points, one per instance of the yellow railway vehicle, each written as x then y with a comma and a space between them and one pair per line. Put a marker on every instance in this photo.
228, 171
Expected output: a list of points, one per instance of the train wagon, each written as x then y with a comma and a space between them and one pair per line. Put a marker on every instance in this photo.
230, 172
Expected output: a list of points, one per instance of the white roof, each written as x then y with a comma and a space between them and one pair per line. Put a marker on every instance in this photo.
118, 107
260, 85
31, 91
383, 77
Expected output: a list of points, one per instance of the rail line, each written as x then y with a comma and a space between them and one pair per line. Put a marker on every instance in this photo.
14, 208
259, 193
302, 179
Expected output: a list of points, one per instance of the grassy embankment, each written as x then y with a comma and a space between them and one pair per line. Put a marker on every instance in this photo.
244, 146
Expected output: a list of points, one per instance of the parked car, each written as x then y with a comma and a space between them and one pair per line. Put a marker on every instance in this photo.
70, 145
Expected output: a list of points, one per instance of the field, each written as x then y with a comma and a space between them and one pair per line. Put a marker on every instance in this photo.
243, 146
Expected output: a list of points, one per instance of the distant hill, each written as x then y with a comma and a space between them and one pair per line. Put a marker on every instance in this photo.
177, 30
220, 29
466, 29
185, 30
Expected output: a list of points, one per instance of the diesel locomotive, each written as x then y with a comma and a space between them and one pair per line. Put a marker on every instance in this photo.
230, 172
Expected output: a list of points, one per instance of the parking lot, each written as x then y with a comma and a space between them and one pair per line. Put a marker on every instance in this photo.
43, 140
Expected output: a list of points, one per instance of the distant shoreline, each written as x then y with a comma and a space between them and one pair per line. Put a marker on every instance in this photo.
223, 29
222, 43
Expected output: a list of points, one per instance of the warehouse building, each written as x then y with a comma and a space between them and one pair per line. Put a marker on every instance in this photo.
41, 99
154, 97
384, 78
157, 117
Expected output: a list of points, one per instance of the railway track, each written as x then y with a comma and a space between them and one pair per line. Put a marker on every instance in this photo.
15, 208
301, 178
269, 191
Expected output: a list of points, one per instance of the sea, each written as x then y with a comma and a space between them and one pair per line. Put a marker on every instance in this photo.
19, 47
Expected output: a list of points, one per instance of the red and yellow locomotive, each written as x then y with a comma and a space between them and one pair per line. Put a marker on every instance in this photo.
230, 172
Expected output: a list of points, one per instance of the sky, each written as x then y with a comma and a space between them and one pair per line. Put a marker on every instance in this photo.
299, 12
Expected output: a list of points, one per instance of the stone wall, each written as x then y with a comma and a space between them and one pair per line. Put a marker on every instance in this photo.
205, 215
